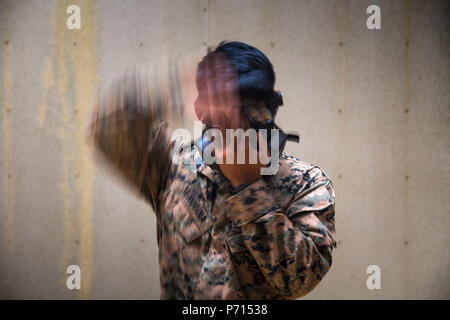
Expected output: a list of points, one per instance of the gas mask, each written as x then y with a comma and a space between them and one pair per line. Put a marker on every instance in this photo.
261, 118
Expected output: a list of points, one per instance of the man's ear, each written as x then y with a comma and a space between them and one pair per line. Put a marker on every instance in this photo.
199, 110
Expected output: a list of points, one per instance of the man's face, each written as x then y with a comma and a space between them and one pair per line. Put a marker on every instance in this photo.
223, 111
220, 106
235, 115
232, 112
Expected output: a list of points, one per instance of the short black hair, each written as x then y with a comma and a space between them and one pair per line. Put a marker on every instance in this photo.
256, 77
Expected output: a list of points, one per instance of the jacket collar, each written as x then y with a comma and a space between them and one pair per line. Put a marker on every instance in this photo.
212, 172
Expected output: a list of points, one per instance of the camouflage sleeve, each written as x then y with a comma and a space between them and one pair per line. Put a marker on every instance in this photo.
128, 129
292, 246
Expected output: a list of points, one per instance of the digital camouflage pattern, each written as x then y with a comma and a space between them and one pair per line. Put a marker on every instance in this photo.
272, 239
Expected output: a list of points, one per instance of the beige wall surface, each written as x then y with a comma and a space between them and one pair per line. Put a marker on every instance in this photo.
372, 108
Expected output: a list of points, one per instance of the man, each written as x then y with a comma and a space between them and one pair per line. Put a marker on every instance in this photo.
224, 231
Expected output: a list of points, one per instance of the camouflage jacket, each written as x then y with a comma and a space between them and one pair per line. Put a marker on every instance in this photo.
272, 239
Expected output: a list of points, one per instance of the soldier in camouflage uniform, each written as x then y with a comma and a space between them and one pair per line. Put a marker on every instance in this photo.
261, 237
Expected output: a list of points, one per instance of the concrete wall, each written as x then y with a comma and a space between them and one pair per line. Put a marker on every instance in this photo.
372, 108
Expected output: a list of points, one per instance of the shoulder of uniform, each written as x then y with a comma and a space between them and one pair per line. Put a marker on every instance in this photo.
292, 166
294, 173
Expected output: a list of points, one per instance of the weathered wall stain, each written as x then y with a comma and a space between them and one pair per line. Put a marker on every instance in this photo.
84, 57
76, 65
48, 81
